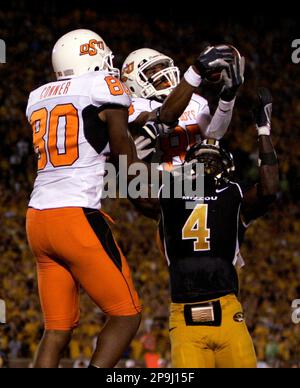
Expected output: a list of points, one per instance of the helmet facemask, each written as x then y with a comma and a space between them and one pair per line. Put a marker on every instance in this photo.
217, 162
107, 64
169, 76
212, 162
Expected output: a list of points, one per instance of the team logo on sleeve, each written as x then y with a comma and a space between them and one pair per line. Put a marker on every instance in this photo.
91, 48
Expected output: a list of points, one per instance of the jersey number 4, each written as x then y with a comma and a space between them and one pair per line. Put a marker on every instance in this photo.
195, 228
63, 149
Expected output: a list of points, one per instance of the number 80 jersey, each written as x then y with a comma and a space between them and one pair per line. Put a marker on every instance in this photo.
70, 140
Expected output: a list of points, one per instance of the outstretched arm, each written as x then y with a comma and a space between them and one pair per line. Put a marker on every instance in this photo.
175, 104
233, 78
259, 197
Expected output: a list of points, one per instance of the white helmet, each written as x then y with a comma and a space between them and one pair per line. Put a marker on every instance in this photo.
79, 52
135, 66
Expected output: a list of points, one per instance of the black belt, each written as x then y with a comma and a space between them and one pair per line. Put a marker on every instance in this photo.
203, 314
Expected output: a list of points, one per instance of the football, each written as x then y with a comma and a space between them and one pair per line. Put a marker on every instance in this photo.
215, 75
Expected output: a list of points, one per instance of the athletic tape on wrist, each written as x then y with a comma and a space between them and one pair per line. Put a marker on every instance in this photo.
265, 130
192, 78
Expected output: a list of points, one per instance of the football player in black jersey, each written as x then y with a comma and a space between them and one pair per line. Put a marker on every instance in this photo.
200, 239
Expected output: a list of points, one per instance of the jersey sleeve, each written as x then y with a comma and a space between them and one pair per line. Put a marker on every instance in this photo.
220, 120
140, 105
203, 110
109, 90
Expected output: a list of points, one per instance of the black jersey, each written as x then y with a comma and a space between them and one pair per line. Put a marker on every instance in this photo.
201, 243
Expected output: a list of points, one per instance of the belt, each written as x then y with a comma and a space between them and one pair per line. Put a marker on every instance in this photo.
203, 314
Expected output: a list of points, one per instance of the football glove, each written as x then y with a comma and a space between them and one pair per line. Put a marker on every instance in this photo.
144, 147
213, 58
263, 111
146, 142
233, 78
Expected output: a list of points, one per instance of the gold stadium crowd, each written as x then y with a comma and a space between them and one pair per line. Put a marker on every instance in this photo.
269, 282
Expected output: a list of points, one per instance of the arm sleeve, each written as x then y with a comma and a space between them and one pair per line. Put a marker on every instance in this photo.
220, 120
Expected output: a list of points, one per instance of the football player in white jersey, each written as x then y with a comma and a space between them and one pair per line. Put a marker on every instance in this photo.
76, 120
151, 77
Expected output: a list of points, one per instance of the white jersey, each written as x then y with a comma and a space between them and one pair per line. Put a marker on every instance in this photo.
188, 131
70, 140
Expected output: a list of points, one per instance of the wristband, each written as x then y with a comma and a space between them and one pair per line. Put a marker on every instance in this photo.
226, 106
192, 78
265, 130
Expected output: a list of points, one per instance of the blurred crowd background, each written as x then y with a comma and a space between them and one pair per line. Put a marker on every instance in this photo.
271, 279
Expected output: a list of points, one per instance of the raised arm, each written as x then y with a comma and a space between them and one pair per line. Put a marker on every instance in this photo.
233, 78
175, 104
257, 200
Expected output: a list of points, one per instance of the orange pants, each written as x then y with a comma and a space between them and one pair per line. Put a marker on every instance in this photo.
72, 247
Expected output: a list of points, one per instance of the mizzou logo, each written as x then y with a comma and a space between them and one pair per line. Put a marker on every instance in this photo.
91, 48
239, 317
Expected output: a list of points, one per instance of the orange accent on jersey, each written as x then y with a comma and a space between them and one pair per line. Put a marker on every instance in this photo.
38, 121
131, 110
69, 113
188, 115
176, 143
114, 85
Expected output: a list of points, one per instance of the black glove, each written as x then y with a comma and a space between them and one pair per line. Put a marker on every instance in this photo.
233, 78
263, 109
213, 58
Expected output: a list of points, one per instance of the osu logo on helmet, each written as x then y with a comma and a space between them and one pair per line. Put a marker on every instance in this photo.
91, 47
127, 70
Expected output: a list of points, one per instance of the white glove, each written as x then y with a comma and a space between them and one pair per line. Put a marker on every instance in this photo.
144, 147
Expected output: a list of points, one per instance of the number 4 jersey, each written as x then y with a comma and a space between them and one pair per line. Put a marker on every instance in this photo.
70, 140
200, 239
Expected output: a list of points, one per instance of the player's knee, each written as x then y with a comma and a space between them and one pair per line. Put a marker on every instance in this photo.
58, 338
137, 319
130, 321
